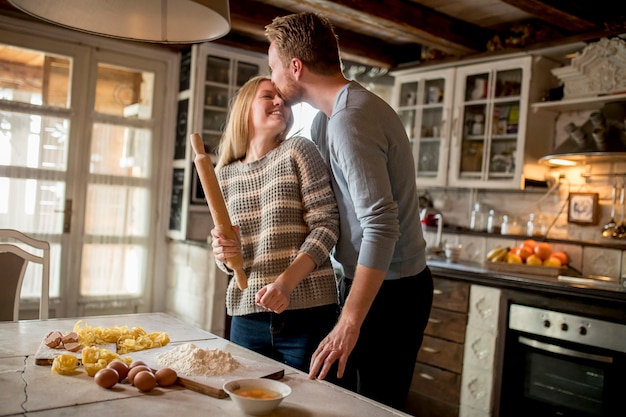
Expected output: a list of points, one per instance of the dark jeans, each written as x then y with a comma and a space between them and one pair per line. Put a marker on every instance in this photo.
290, 337
382, 363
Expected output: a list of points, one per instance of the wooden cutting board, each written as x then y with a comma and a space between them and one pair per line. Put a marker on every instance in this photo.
212, 385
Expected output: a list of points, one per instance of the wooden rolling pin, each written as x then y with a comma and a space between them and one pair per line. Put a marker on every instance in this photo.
217, 206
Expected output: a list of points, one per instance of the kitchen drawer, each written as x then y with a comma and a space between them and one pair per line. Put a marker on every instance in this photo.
441, 353
451, 295
448, 325
424, 406
436, 383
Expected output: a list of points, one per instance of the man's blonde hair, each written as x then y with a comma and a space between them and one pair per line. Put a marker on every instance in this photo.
234, 141
309, 37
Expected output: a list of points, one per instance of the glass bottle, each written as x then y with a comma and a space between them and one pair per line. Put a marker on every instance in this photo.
492, 225
530, 226
510, 226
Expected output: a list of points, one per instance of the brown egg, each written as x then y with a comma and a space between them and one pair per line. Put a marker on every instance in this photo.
166, 377
145, 381
106, 377
134, 370
137, 363
121, 368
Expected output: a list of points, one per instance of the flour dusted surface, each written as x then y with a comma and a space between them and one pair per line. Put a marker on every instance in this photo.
190, 360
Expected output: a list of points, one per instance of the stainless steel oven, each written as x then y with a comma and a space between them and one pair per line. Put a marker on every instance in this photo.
559, 364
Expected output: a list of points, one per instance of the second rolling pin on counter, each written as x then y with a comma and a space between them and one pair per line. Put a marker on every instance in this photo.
217, 206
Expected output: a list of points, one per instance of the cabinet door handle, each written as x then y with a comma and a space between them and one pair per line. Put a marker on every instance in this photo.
437, 291
429, 349
434, 321
427, 376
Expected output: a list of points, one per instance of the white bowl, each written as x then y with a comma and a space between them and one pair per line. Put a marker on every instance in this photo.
252, 405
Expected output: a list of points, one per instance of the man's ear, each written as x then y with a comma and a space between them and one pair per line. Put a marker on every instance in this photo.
296, 67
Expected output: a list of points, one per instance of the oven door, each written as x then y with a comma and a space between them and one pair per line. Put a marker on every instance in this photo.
550, 377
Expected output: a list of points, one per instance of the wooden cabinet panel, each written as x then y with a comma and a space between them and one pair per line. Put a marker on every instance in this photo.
423, 406
436, 383
441, 353
451, 295
447, 325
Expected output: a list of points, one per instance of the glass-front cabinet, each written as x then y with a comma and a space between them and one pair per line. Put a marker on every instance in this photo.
221, 77
494, 143
210, 75
424, 102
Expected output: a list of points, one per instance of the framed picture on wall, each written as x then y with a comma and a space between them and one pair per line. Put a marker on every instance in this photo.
583, 208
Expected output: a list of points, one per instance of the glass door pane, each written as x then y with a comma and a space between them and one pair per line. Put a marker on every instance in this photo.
474, 133
118, 195
34, 148
504, 123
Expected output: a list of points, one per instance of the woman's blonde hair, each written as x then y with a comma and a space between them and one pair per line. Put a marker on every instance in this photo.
234, 141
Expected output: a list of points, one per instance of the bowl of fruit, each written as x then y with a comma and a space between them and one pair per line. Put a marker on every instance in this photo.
529, 257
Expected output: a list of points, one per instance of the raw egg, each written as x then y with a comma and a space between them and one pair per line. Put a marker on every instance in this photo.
120, 367
145, 381
137, 363
106, 377
135, 370
166, 377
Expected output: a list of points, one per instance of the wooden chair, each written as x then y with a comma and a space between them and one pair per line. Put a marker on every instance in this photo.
14, 260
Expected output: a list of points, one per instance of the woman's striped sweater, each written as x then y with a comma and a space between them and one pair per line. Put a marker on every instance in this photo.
284, 205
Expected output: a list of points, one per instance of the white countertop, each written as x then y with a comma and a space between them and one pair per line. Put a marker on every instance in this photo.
28, 388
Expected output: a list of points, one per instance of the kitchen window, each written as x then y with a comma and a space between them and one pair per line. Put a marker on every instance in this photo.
83, 141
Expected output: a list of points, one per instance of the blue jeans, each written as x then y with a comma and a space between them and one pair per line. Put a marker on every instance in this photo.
290, 337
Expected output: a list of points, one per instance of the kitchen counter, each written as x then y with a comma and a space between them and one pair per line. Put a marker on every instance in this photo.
581, 289
29, 388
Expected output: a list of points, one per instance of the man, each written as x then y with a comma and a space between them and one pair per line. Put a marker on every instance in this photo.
387, 286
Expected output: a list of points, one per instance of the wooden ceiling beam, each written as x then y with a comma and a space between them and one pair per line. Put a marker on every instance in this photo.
554, 16
247, 30
400, 21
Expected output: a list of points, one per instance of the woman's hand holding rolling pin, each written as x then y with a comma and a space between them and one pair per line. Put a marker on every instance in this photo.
224, 248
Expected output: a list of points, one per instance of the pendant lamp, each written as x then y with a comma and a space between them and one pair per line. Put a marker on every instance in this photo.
158, 21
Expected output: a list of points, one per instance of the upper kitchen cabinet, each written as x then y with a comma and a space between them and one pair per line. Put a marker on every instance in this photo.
496, 140
210, 75
424, 103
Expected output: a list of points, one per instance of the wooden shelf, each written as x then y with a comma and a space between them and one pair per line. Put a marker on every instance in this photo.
576, 104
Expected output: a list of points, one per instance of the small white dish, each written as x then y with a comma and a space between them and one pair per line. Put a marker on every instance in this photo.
249, 394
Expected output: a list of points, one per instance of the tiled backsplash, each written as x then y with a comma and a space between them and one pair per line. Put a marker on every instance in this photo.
586, 249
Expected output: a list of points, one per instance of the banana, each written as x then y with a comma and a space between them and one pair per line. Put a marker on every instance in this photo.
497, 254
501, 256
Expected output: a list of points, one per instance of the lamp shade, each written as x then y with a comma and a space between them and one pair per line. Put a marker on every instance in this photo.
159, 21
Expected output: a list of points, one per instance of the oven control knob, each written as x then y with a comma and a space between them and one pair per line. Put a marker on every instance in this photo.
546, 323
582, 330
564, 327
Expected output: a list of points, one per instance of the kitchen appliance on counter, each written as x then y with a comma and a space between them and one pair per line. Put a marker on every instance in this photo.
560, 364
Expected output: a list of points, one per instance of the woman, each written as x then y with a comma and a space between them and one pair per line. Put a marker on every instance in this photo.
281, 204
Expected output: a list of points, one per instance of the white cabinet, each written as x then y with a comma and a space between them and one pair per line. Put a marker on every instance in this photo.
210, 75
496, 140
424, 103
471, 125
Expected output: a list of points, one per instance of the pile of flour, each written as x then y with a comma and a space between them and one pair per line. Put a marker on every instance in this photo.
190, 360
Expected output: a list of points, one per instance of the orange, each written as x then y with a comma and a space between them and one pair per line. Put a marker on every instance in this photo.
534, 260
523, 252
531, 243
561, 256
543, 250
